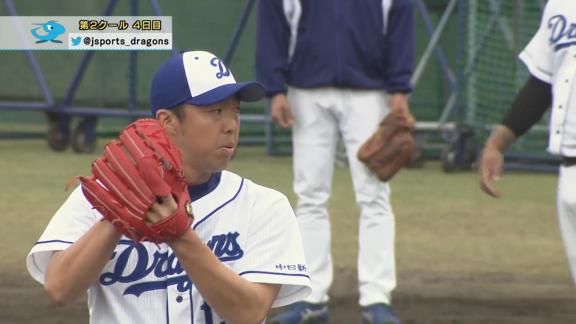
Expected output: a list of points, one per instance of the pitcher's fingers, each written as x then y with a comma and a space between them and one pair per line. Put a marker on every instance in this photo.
165, 207
486, 183
164, 202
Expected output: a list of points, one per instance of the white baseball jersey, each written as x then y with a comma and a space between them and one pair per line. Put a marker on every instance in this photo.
551, 57
250, 228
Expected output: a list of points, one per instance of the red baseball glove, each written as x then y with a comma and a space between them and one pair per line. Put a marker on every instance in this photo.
134, 172
391, 146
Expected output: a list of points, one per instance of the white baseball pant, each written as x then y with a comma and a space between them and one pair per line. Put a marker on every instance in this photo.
319, 114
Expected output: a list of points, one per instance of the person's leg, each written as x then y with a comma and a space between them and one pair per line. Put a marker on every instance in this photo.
362, 114
314, 136
566, 203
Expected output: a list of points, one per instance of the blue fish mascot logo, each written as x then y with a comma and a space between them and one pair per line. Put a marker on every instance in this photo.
52, 30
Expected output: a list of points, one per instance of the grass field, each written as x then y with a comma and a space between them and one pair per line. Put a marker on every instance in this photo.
446, 228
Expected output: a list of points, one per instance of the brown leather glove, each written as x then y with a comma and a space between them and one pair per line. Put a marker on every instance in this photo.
391, 146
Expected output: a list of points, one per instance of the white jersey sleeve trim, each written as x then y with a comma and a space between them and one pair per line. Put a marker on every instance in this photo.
37, 264
538, 54
38, 258
533, 68
69, 223
295, 287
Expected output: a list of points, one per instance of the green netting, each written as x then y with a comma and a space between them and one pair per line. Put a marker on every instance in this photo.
205, 25
429, 97
494, 33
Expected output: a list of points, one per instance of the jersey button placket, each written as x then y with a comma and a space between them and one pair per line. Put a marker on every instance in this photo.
560, 114
178, 303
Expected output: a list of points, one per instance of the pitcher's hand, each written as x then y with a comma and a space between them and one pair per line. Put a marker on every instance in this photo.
491, 166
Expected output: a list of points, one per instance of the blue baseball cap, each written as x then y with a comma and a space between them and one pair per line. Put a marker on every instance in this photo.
199, 78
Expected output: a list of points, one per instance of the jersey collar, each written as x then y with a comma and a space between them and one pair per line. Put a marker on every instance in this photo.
198, 191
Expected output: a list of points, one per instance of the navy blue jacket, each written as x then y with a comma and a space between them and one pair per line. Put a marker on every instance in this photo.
364, 44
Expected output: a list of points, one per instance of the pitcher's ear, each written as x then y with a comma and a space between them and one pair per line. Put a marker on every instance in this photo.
168, 120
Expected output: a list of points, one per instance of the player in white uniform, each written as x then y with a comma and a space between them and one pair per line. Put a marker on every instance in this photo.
243, 253
551, 59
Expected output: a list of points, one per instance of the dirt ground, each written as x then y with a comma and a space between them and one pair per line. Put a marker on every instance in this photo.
419, 298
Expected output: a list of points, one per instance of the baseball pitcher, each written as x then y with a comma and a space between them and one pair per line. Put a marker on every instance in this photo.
160, 233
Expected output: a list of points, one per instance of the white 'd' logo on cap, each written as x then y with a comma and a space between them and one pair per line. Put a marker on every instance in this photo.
205, 72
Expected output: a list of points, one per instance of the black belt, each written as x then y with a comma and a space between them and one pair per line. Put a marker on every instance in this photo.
568, 161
